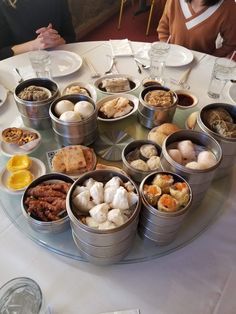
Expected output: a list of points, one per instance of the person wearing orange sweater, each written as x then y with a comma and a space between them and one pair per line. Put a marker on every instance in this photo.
195, 24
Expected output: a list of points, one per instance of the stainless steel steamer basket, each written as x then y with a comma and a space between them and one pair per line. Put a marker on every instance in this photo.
199, 180
102, 246
228, 145
135, 174
35, 114
72, 133
151, 116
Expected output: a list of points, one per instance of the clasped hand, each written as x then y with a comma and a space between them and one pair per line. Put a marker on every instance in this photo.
47, 37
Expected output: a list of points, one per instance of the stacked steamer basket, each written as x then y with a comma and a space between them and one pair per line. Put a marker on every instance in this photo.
101, 245
219, 121
151, 115
158, 225
72, 132
199, 178
35, 111
132, 152
39, 217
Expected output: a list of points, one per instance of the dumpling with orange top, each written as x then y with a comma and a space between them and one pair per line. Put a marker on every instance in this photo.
180, 191
168, 203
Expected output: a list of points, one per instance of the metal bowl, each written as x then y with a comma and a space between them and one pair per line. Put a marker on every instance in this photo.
151, 116
35, 114
135, 174
46, 226
72, 133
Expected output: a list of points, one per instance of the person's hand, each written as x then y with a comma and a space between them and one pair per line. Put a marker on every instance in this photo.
48, 37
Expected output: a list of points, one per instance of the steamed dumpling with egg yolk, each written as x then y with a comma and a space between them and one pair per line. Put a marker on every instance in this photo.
84, 108
63, 106
70, 116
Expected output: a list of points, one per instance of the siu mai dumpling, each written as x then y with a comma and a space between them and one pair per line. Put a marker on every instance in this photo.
180, 191
164, 181
121, 199
168, 203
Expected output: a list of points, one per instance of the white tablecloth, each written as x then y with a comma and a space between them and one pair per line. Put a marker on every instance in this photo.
198, 278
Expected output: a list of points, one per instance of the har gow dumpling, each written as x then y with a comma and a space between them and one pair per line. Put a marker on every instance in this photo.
99, 212
97, 192
187, 150
206, 159
175, 154
121, 199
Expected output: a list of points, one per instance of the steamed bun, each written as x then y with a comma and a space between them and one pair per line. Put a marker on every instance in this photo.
70, 116
84, 108
63, 106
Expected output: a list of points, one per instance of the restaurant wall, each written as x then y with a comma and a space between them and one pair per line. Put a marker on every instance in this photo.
88, 14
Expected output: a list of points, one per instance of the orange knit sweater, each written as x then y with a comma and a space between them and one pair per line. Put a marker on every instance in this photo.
198, 31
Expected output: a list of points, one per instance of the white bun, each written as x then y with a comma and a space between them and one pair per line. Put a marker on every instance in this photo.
63, 106
70, 116
84, 108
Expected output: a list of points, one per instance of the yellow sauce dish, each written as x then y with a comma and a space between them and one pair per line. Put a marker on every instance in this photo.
18, 162
19, 179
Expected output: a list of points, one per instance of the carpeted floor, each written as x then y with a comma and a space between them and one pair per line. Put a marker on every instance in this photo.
132, 27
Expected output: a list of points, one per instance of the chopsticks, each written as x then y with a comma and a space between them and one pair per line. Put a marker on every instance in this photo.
91, 67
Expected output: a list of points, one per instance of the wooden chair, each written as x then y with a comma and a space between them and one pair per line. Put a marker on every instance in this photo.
150, 16
122, 2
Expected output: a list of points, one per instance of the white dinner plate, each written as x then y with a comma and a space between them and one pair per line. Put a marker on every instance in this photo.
178, 56
3, 95
64, 62
135, 83
9, 150
131, 98
232, 92
37, 168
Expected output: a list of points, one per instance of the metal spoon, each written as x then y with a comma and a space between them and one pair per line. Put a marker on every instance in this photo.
20, 80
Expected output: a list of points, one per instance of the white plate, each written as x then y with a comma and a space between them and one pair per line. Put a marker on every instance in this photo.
232, 92
64, 62
13, 149
178, 56
37, 169
87, 86
3, 95
132, 98
132, 79
73, 175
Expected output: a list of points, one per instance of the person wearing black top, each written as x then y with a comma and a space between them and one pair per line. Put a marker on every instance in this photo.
27, 25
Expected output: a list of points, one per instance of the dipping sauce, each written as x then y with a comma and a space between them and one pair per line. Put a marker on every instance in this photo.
185, 100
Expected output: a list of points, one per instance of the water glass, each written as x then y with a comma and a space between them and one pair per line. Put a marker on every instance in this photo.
223, 71
41, 63
21, 295
158, 54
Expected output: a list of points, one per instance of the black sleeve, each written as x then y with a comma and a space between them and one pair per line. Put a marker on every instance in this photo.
5, 35
67, 29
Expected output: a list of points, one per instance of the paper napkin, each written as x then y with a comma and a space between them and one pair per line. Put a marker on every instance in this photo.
121, 47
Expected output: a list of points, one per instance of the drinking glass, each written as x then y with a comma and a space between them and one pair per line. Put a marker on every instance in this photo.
158, 54
223, 71
41, 63
20, 296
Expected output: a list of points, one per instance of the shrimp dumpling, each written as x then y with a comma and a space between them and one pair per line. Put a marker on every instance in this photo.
97, 192
193, 165
187, 150
114, 182
91, 222
89, 183
175, 154
206, 159
116, 216
121, 199
99, 212
109, 193
82, 201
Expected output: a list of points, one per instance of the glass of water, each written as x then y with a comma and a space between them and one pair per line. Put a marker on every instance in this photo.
41, 63
158, 54
20, 296
223, 71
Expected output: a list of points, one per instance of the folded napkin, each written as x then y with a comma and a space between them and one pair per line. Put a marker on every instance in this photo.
134, 311
121, 47
142, 54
